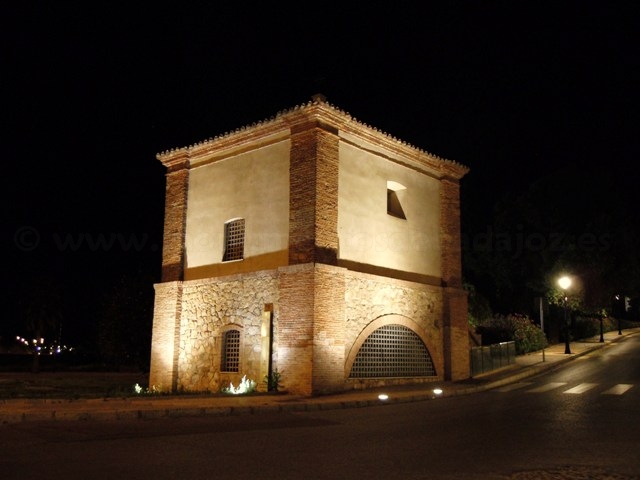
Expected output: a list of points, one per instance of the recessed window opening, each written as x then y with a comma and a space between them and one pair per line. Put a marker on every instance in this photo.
230, 361
233, 240
395, 192
392, 351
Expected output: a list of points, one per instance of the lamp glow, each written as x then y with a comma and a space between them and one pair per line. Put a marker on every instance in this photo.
564, 282
437, 391
383, 397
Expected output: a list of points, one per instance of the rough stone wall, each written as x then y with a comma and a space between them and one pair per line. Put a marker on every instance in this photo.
208, 307
368, 297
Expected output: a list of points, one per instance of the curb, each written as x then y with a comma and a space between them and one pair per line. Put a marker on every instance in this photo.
58, 412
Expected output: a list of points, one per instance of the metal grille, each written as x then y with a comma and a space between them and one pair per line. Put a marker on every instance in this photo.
230, 351
392, 351
233, 240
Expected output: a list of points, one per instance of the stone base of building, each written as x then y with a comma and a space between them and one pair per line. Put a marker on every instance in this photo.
308, 322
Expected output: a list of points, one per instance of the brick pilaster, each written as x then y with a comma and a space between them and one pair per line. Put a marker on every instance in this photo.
175, 218
328, 329
313, 177
450, 237
456, 334
167, 314
456, 328
295, 328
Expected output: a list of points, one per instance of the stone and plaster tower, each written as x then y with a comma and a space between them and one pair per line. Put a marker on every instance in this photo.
314, 245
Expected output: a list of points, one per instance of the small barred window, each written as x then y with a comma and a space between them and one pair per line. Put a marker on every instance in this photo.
230, 351
233, 240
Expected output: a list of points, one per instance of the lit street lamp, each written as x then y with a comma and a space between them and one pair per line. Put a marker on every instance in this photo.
565, 283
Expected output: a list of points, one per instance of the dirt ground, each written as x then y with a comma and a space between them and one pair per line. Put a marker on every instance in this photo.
70, 384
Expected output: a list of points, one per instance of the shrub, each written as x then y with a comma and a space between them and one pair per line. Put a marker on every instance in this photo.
528, 336
273, 381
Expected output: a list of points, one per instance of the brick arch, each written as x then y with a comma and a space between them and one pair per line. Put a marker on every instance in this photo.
389, 319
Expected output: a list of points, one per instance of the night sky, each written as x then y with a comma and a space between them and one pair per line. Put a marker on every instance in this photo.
91, 92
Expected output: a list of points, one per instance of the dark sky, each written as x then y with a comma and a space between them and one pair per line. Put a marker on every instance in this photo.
91, 92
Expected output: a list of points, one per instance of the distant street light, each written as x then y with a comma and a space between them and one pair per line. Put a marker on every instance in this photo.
618, 314
565, 283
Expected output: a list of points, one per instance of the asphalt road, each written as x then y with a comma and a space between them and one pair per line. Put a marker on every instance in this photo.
581, 421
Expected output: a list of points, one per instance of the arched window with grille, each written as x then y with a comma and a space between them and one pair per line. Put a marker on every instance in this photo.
392, 351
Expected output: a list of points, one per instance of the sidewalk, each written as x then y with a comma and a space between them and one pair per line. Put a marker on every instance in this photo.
149, 407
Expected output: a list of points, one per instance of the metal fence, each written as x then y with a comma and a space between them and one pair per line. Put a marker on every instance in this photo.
490, 357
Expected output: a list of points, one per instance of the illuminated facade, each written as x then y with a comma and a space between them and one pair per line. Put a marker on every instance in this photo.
312, 245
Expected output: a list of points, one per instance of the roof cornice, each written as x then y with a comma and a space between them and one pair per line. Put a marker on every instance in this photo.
316, 112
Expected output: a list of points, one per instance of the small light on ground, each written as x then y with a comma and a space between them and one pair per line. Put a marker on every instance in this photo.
437, 391
383, 397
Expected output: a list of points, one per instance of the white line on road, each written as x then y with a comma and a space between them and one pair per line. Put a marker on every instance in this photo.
618, 389
514, 386
583, 387
547, 386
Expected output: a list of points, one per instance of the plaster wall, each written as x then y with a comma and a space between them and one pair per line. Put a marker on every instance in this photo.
367, 233
252, 184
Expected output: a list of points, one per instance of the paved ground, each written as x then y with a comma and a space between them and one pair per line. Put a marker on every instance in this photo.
146, 406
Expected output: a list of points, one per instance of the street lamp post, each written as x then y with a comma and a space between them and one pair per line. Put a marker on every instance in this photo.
618, 313
601, 331
565, 283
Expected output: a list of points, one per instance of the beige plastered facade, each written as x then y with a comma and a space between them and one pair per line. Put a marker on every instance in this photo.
325, 264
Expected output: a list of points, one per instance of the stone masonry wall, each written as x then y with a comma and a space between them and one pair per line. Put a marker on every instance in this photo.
368, 297
208, 307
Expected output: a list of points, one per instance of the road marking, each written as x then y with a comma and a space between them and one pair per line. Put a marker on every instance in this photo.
583, 387
618, 389
546, 387
514, 386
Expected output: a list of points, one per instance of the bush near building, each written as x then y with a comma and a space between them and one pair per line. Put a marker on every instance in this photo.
528, 336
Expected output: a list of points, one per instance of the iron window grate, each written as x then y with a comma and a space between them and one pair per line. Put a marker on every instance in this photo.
230, 351
392, 351
233, 240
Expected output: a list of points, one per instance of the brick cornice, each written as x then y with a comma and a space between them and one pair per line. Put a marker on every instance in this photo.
315, 114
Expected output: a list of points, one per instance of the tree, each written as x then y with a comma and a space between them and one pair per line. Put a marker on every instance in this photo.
125, 323
572, 221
